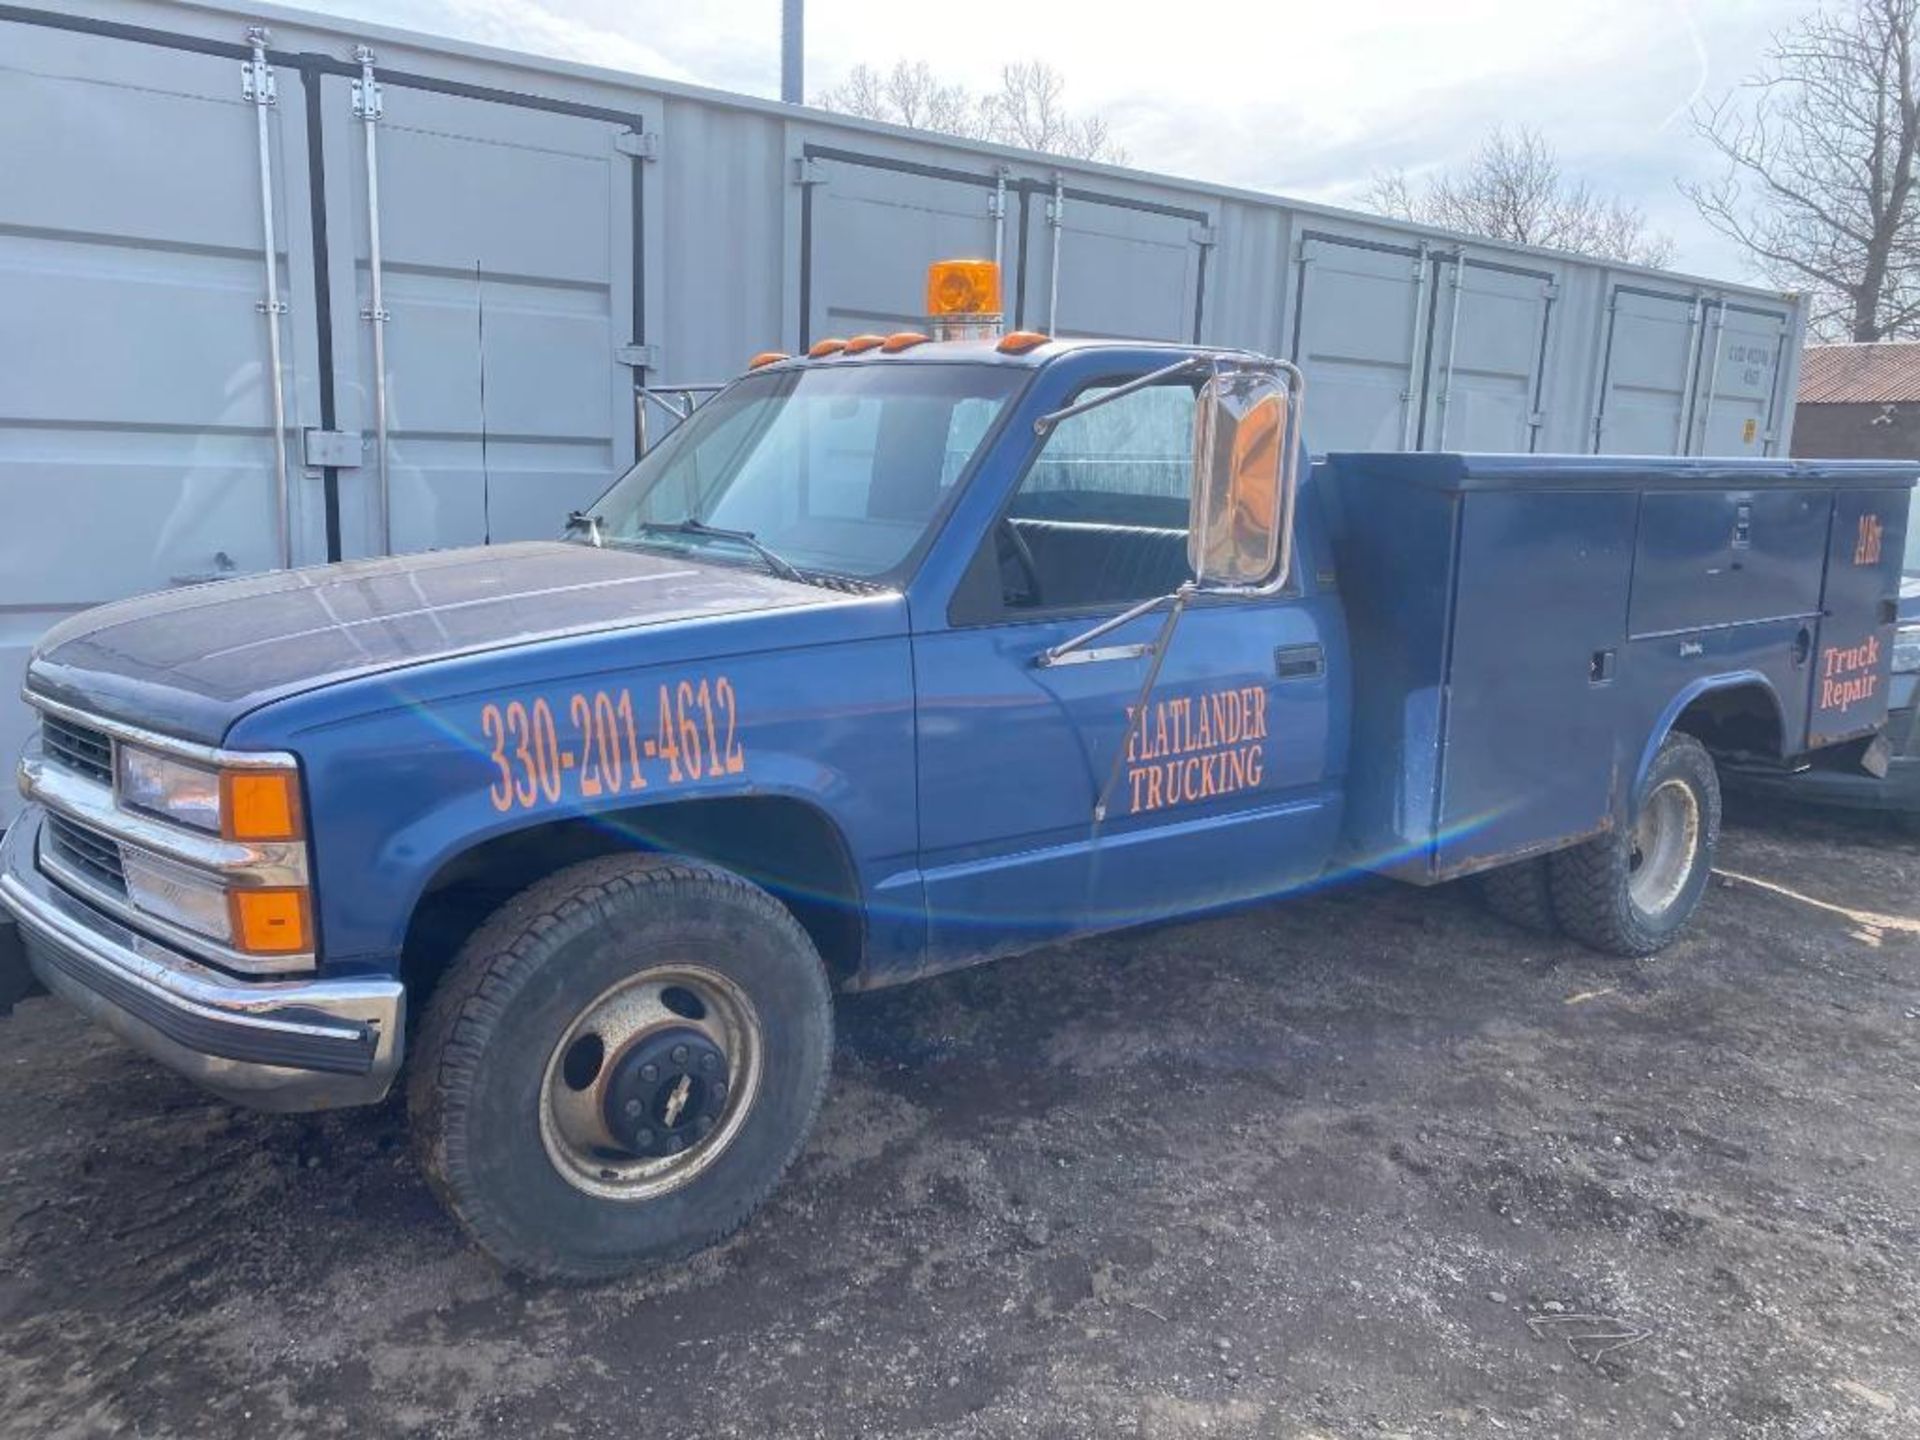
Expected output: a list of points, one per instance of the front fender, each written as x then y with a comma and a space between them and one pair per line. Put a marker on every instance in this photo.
395, 793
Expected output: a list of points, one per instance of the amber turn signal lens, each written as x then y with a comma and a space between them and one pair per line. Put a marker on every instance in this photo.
271, 922
260, 805
821, 348
901, 340
963, 287
1018, 342
767, 357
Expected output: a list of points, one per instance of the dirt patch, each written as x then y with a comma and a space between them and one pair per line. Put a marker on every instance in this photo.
1366, 1163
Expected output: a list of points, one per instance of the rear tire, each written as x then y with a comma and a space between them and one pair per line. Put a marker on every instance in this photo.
1631, 891
620, 1066
1522, 895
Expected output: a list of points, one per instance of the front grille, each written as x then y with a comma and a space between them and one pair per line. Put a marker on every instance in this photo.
93, 856
77, 747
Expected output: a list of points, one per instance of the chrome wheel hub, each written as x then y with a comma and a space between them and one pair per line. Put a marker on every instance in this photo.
651, 1083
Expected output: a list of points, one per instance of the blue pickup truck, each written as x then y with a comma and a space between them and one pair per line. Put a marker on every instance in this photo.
892, 657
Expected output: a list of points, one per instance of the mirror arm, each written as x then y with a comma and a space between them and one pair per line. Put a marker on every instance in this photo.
1059, 654
1179, 367
1136, 716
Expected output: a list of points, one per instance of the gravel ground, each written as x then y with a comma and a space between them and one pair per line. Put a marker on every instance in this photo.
1363, 1164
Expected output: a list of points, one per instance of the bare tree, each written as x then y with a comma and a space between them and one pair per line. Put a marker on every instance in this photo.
1512, 189
1820, 149
1028, 110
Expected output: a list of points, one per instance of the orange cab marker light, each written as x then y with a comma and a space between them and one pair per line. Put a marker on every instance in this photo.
260, 805
865, 342
901, 340
963, 287
767, 357
1018, 342
825, 347
271, 922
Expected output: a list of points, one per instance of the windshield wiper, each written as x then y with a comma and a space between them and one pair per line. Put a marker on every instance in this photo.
580, 520
690, 526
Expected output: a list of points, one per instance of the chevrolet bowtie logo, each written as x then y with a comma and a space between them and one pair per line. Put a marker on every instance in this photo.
677, 1101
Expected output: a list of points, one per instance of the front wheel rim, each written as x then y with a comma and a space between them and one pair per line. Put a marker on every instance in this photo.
1665, 846
651, 1082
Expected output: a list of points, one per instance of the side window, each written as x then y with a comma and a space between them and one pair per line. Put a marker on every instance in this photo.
1101, 516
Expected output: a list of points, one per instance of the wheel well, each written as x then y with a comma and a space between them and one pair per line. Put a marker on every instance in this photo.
1737, 720
786, 846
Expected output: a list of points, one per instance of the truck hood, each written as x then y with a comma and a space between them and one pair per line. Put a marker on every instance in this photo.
189, 662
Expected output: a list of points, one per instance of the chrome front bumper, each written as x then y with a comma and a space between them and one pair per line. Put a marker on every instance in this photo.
271, 1044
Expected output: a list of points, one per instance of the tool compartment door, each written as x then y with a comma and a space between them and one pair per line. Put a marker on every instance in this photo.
1855, 653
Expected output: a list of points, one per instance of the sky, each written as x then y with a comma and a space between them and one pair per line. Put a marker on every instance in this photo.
1308, 100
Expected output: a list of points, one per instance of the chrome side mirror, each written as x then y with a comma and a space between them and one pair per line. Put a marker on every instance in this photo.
1246, 441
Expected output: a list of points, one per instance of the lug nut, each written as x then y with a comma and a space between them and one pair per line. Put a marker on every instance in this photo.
719, 1091
708, 1061
679, 1055
643, 1137
649, 1072
706, 1124
633, 1109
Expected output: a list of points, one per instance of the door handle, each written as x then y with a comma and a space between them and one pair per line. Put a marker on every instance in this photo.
1299, 662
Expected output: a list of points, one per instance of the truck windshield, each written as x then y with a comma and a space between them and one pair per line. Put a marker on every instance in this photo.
836, 470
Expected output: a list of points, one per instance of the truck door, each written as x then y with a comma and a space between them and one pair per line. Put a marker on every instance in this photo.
1224, 790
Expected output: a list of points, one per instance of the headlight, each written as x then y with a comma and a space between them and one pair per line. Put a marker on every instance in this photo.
1906, 649
238, 804
184, 794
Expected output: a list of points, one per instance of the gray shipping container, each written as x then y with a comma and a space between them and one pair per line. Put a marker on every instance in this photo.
189, 268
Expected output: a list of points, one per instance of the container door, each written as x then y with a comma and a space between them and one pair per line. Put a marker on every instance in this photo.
1855, 653
1647, 372
136, 398
1360, 324
508, 278
1487, 357
1104, 267
1738, 370
869, 229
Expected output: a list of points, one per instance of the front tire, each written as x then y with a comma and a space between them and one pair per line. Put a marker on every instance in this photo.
620, 1066
1631, 891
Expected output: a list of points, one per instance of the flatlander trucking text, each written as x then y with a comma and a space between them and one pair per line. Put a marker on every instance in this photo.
1196, 747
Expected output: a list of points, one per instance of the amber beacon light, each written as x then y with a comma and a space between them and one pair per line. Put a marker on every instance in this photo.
963, 299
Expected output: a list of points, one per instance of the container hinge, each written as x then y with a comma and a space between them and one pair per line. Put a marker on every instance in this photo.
366, 90
1550, 290
1204, 235
638, 357
256, 76
808, 171
270, 307
332, 449
997, 197
1536, 420
1057, 204
640, 144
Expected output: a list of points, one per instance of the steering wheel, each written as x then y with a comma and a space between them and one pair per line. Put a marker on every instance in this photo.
1023, 557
